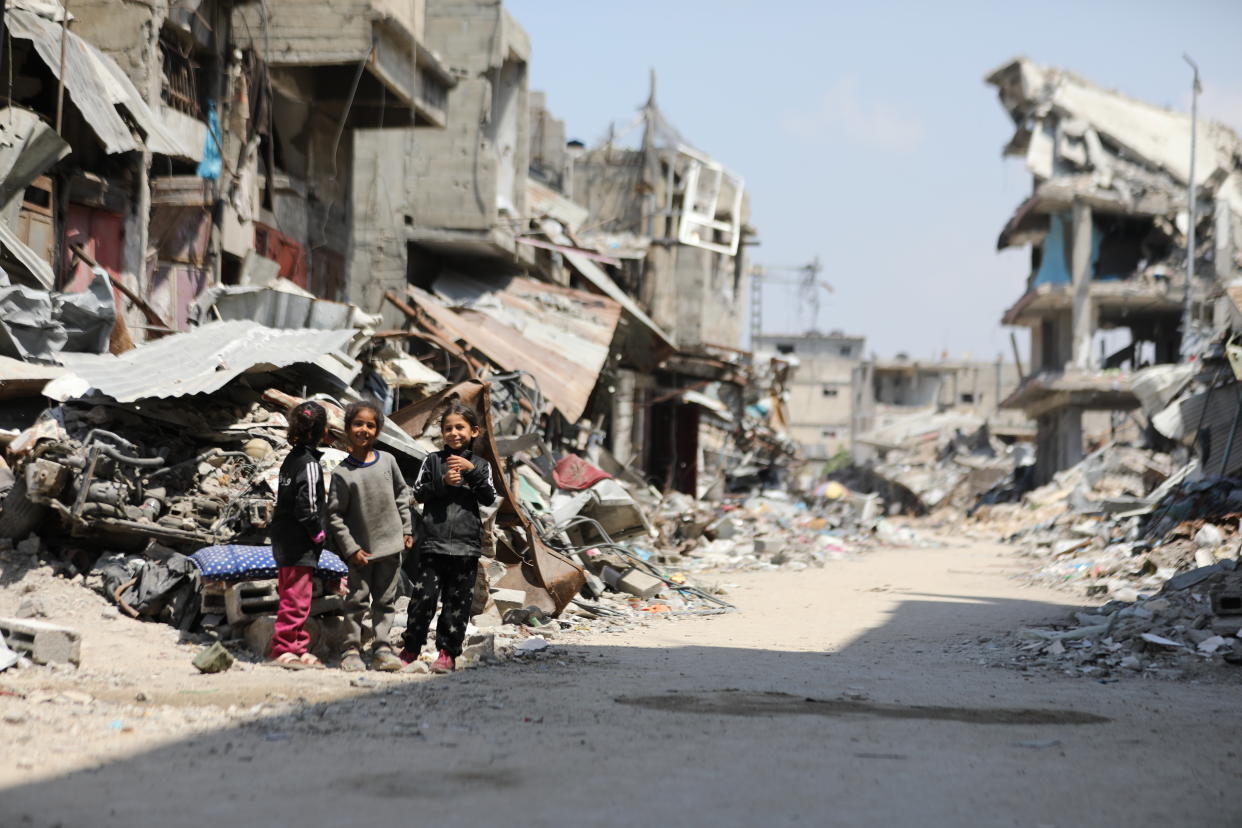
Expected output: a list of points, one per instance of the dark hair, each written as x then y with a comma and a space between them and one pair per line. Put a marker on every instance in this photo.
462, 410
365, 405
307, 423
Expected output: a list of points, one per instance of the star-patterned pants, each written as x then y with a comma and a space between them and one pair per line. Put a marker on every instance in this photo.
449, 580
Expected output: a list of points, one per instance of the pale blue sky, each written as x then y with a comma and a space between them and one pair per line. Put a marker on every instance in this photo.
865, 132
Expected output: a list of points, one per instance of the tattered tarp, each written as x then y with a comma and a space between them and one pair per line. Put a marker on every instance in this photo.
560, 335
574, 474
38, 324
97, 87
205, 360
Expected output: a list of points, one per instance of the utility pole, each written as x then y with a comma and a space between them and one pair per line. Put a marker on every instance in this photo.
1192, 212
809, 285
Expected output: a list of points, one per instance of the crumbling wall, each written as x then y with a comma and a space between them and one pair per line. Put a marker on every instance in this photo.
318, 34
608, 182
382, 203
476, 166
127, 31
695, 294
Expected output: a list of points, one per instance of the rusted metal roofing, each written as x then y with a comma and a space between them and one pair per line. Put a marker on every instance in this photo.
560, 335
208, 358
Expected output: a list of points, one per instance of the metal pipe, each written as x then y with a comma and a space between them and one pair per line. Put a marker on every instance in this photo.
1191, 212
60, 85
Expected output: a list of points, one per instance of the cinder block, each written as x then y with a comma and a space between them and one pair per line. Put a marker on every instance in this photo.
1227, 600
248, 600
45, 643
639, 583
507, 599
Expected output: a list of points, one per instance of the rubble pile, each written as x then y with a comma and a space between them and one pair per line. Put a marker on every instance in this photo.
1191, 622
154, 482
927, 462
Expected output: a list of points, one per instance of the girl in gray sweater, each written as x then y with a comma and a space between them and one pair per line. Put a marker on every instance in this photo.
369, 521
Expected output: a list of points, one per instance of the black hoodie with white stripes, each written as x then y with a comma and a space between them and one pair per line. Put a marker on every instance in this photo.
300, 507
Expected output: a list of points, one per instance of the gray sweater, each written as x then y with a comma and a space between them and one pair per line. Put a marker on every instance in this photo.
369, 507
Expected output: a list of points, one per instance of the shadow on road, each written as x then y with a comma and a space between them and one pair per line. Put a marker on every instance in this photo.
674, 735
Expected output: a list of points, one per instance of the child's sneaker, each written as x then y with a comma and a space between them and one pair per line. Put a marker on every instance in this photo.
352, 662
444, 663
385, 661
407, 656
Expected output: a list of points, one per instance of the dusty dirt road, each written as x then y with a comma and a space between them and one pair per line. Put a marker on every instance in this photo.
694, 722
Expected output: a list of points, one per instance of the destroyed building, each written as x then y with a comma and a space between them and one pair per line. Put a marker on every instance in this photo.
232, 125
249, 205
1107, 224
820, 402
887, 392
686, 214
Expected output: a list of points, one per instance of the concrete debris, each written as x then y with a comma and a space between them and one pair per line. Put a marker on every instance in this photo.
1174, 633
44, 643
213, 659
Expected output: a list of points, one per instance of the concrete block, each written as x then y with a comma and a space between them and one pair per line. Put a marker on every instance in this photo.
639, 583
481, 647
490, 617
507, 599
44, 643
213, 659
1227, 600
248, 600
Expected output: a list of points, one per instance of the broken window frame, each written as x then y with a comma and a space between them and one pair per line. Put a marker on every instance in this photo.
703, 181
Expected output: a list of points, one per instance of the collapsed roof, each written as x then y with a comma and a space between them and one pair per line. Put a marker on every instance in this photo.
1080, 140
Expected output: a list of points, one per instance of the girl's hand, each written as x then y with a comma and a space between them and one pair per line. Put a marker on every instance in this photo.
460, 464
452, 477
360, 558
409, 541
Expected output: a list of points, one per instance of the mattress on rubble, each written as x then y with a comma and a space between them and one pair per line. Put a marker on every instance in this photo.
232, 562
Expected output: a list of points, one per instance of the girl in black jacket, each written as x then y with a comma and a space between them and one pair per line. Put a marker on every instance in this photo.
452, 484
297, 535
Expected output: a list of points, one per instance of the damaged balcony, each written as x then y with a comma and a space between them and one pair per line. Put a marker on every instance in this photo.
404, 82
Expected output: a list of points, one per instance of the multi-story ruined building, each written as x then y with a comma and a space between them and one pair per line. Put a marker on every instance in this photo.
820, 404
253, 109
686, 213
1107, 225
890, 390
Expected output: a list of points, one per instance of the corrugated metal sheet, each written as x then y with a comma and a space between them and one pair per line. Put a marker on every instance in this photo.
280, 307
34, 264
1187, 421
560, 335
596, 275
96, 85
18, 378
208, 358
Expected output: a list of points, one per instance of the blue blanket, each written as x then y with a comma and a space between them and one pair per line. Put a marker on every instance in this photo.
231, 562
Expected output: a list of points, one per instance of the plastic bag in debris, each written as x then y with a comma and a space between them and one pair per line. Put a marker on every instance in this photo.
155, 590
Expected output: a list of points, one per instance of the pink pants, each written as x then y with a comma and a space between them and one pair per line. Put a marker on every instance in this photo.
295, 584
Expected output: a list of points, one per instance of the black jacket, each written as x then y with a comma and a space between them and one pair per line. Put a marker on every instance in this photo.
451, 522
299, 513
